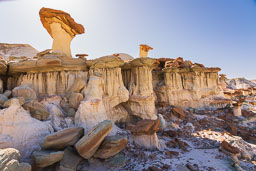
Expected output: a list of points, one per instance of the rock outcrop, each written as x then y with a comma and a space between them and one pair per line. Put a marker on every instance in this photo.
19, 130
137, 76
11, 52
70, 160
62, 29
182, 83
91, 110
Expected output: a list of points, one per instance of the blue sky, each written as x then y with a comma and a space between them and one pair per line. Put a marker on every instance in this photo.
219, 33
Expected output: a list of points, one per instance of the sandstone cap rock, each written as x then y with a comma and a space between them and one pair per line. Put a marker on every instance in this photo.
48, 16
144, 127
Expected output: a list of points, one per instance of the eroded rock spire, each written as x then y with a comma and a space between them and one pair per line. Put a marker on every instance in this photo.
61, 27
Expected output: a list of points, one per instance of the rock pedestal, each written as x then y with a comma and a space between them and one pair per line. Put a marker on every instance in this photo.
144, 50
137, 76
62, 28
144, 133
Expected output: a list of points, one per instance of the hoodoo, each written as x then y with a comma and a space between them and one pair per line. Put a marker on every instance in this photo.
117, 112
61, 27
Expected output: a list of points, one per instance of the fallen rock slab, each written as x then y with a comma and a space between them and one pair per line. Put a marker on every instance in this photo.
47, 158
70, 160
89, 144
75, 100
62, 139
111, 146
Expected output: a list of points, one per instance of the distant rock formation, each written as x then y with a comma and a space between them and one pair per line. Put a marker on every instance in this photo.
240, 83
16, 51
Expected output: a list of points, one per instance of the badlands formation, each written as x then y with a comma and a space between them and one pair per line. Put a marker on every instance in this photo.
117, 112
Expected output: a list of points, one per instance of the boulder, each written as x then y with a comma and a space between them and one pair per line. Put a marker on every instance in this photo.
7, 155
24, 91
118, 160
226, 146
19, 130
25, 167
70, 160
57, 117
77, 86
144, 133
71, 112
179, 112
62, 139
47, 158
111, 146
3, 99
36, 110
9, 102
9, 160
89, 144
144, 127
14, 165
7, 93
75, 100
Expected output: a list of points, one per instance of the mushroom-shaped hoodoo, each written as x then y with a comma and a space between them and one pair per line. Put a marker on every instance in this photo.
62, 28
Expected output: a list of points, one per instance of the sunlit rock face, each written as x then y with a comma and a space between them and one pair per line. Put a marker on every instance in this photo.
104, 92
181, 83
137, 76
114, 91
62, 28
48, 83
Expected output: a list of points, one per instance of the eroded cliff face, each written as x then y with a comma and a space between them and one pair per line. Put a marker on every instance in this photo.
48, 83
114, 91
105, 91
137, 75
187, 85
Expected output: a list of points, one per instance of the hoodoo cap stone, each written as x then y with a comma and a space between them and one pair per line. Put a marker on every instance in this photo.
48, 16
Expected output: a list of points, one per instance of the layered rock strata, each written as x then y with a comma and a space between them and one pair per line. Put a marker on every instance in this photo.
137, 76
182, 83
49, 75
